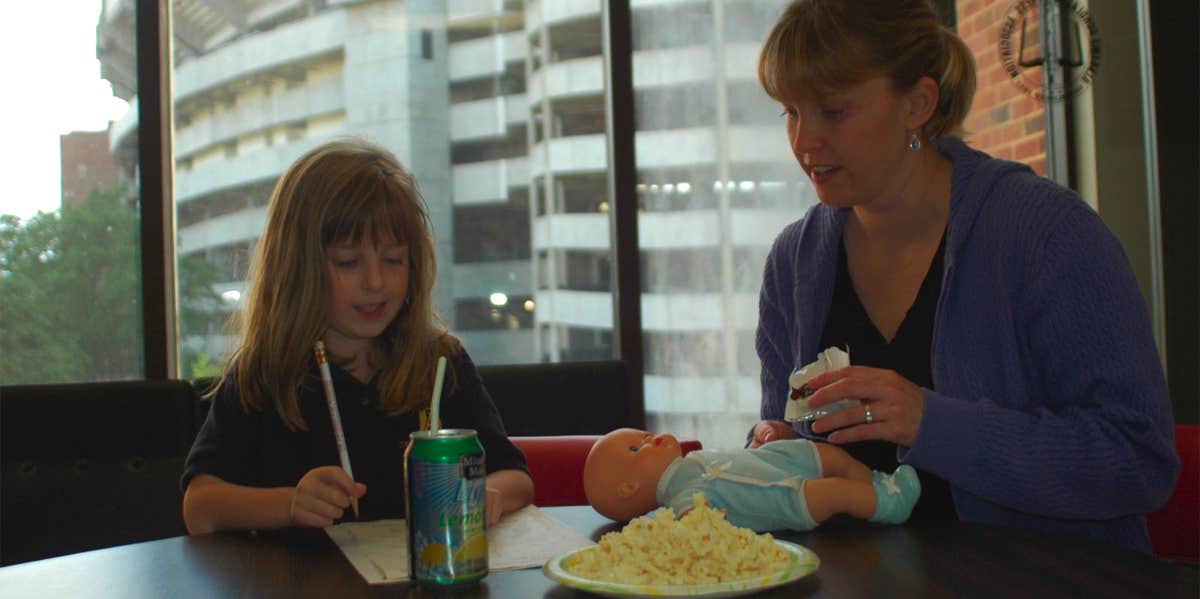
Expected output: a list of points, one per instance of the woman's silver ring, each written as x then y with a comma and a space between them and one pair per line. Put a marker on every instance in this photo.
870, 418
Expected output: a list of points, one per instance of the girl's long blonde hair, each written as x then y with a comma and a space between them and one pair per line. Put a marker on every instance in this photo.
336, 193
819, 45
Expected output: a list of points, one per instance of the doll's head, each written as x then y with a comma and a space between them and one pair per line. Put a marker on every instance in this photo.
621, 475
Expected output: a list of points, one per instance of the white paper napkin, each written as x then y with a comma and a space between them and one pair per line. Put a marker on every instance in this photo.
830, 359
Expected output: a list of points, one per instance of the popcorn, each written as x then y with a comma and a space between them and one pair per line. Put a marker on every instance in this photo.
699, 548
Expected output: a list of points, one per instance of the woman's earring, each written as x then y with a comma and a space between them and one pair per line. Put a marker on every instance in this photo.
914, 142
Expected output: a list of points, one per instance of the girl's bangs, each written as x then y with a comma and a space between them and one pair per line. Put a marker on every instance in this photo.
373, 208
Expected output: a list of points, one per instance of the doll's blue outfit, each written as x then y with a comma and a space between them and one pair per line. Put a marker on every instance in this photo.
763, 488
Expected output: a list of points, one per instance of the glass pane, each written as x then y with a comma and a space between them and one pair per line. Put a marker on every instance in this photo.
716, 184
1007, 118
499, 116
567, 169
70, 293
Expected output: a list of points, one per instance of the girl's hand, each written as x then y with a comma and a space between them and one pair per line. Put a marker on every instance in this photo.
494, 511
896, 405
771, 430
322, 496
507, 491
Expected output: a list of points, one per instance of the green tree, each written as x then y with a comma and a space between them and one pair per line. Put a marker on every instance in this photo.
201, 313
203, 367
32, 344
70, 295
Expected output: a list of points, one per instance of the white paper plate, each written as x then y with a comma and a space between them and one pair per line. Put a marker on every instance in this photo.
803, 562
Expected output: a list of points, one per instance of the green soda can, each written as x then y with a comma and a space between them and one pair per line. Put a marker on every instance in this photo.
445, 487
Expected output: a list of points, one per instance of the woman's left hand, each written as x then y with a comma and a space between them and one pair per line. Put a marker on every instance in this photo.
894, 404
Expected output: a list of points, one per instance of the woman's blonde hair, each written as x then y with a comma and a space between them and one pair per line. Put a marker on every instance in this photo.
821, 45
338, 193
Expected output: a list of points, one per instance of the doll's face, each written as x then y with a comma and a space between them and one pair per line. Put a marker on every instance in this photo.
622, 471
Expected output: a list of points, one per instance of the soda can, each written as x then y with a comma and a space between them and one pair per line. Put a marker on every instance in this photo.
445, 489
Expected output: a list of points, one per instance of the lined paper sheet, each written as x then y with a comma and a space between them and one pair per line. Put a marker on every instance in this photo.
526, 538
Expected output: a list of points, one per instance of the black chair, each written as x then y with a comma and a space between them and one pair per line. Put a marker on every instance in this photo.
91, 465
562, 398
201, 387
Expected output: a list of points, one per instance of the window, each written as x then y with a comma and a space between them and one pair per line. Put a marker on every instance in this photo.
512, 114
460, 123
492, 232
70, 293
426, 44
716, 182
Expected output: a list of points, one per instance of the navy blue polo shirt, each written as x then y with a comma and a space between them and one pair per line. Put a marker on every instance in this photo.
256, 449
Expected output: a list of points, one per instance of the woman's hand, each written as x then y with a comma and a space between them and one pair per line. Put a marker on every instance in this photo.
896, 406
322, 496
771, 430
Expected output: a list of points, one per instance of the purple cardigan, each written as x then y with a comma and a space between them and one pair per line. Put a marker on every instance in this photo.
1051, 407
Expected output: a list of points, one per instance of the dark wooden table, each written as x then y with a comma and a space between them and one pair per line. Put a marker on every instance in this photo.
925, 559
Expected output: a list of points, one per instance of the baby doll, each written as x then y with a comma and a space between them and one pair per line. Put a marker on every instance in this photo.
789, 484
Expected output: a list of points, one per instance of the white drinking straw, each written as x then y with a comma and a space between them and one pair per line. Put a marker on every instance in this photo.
435, 422
335, 416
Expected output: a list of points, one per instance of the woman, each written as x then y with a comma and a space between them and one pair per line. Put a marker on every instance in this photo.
997, 336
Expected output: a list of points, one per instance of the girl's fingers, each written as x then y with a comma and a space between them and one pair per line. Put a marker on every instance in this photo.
307, 510
305, 519
493, 506
316, 515
330, 485
335, 476
325, 493
329, 502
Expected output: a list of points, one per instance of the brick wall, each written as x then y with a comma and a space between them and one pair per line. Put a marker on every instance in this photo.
1005, 121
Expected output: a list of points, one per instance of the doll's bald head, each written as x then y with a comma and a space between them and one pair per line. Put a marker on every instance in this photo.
622, 470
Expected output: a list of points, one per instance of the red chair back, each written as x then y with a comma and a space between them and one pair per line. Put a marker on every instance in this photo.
1175, 529
556, 466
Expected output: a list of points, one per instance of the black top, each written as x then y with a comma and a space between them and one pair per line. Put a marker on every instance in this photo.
256, 449
848, 325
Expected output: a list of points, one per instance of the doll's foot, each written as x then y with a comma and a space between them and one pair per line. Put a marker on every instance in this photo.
895, 494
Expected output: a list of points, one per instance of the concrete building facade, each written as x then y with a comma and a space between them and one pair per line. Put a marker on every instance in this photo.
498, 107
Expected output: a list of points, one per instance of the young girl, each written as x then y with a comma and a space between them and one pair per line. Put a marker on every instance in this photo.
346, 257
